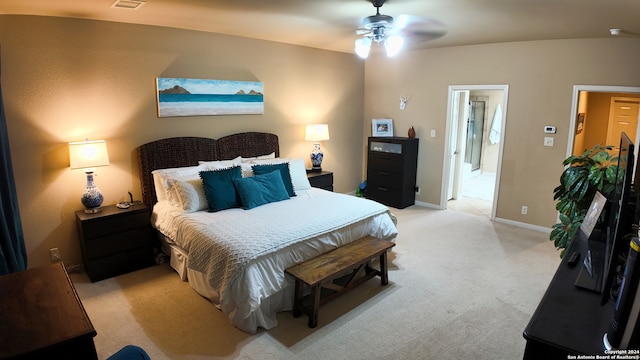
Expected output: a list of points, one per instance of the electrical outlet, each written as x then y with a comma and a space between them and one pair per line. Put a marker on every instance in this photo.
418, 190
55, 255
524, 210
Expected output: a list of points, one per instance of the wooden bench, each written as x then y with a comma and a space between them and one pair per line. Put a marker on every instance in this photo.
342, 265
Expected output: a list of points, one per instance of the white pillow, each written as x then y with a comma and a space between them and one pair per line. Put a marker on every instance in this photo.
221, 164
246, 169
189, 194
299, 177
161, 193
261, 157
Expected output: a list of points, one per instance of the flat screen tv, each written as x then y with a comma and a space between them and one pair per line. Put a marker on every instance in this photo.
621, 218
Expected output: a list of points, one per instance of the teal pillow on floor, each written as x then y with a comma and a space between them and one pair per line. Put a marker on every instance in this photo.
284, 171
219, 190
260, 189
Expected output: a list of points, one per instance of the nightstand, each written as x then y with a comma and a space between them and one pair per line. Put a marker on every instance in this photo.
321, 179
115, 241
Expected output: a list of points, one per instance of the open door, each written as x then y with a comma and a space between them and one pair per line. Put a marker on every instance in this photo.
468, 133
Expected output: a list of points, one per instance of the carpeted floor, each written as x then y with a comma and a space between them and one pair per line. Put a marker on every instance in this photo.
461, 287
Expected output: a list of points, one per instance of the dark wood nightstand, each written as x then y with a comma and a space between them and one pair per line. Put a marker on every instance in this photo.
115, 241
42, 316
321, 179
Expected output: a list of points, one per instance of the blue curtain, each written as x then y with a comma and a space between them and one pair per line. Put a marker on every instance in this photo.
13, 256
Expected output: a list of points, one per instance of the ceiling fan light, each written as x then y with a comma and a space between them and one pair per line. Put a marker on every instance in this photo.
363, 46
393, 44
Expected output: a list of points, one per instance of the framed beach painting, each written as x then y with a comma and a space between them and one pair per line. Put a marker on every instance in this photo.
194, 97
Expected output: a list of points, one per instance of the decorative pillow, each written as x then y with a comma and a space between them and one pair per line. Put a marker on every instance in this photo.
161, 176
190, 194
283, 169
247, 163
219, 189
260, 189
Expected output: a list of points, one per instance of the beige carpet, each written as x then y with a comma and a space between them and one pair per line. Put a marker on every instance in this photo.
461, 287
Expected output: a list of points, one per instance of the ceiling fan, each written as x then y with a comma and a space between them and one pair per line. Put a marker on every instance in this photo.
390, 32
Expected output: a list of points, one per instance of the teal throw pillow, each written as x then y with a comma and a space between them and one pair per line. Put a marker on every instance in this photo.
260, 189
283, 169
219, 189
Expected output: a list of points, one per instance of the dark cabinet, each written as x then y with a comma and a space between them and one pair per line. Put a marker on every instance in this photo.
115, 241
322, 180
391, 170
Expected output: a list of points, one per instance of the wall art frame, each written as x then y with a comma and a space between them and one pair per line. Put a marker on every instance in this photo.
382, 127
197, 97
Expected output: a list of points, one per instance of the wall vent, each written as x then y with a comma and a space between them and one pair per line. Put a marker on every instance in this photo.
128, 4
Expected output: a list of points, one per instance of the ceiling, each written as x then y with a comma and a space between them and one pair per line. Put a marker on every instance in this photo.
331, 24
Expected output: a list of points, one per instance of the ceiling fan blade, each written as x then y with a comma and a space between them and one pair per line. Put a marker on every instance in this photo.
416, 23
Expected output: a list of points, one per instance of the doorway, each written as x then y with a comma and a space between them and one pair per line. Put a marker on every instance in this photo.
475, 118
607, 130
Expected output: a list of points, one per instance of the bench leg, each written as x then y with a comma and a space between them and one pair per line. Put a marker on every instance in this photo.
297, 299
384, 278
315, 305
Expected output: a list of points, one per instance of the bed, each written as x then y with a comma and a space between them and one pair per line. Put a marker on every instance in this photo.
236, 255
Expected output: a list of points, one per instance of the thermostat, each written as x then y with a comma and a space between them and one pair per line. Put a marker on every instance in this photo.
549, 129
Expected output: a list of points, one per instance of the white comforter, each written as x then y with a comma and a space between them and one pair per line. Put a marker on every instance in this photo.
242, 254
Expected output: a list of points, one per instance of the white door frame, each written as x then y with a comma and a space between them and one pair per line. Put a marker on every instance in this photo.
448, 133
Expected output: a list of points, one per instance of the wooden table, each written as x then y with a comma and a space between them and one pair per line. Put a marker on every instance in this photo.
42, 316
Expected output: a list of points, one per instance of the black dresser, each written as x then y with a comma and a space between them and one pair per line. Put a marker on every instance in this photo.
391, 170
115, 241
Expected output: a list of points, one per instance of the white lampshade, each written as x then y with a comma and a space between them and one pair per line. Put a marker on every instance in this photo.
88, 154
317, 132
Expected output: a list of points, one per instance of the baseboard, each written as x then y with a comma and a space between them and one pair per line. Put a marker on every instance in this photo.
500, 220
74, 269
428, 205
524, 225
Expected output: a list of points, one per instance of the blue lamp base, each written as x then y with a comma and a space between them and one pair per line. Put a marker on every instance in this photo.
92, 197
316, 158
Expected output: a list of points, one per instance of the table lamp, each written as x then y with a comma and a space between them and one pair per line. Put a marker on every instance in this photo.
316, 133
87, 155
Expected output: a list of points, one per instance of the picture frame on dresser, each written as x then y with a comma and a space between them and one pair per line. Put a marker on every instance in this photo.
382, 127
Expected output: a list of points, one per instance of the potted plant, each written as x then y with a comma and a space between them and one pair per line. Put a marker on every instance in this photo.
596, 169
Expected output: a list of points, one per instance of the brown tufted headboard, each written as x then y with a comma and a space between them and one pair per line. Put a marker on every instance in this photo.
187, 151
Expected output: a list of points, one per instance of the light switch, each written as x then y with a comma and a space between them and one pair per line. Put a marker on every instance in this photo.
433, 133
548, 141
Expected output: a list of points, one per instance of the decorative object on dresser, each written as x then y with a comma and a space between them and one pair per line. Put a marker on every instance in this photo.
411, 133
88, 155
43, 317
316, 133
382, 127
322, 180
115, 241
391, 171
